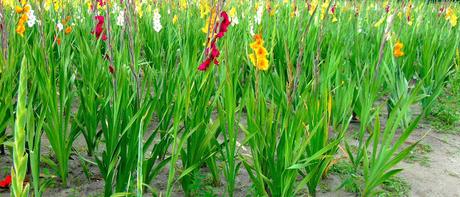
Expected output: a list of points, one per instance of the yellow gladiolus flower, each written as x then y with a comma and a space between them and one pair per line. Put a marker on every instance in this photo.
175, 18
232, 12
261, 52
451, 17
262, 64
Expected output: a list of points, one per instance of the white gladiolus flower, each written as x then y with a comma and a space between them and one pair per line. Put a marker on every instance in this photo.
32, 19
235, 21
156, 20
115, 9
258, 17
60, 26
121, 18
359, 25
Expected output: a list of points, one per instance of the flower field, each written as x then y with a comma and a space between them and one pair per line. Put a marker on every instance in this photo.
222, 97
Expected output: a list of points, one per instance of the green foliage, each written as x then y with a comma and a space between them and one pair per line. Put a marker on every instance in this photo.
143, 108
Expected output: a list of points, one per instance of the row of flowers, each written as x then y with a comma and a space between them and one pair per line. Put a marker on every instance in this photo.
407, 12
258, 57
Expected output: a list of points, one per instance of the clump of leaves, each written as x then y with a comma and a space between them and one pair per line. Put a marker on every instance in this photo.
445, 116
446, 113
352, 179
395, 186
419, 155
202, 185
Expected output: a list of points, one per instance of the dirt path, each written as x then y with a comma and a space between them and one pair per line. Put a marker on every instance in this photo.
441, 177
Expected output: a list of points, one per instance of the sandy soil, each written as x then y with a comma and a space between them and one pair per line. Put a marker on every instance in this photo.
442, 176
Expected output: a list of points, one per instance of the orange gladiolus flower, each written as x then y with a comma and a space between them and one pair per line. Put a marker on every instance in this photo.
259, 57
68, 30
397, 51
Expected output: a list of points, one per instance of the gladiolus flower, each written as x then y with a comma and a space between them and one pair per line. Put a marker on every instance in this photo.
99, 30
261, 52
5, 183
31, 18
451, 17
333, 9
175, 18
258, 16
66, 20
20, 30
101, 2
156, 20
259, 57
441, 10
262, 64
24, 11
224, 25
205, 65
387, 8
68, 30
212, 53
397, 51
204, 9
57, 40
121, 18
60, 27
111, 69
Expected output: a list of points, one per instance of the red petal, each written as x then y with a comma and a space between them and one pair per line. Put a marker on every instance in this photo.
111, 69
5, 182
204, 66
100, 19
215, 52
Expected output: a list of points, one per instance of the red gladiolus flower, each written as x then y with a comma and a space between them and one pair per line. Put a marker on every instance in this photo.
101, 2
106, 57
204, 66
441, 10
99, 30
212, 53
224, 25
57, 40
111, 69
333, 9
387, 9
5, 183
